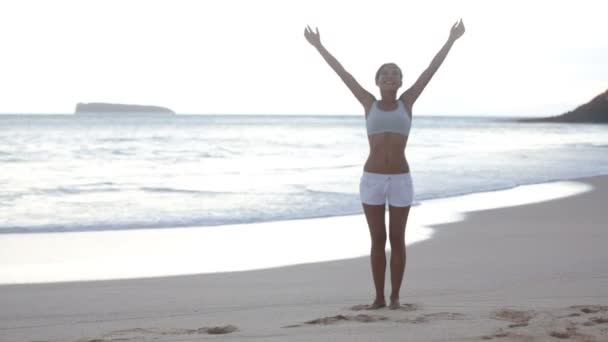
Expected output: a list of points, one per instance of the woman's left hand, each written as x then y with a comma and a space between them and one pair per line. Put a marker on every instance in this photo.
457, 30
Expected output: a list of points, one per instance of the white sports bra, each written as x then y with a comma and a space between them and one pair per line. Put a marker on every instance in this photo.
394, 121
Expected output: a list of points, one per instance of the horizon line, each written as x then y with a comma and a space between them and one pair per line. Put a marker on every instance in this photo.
261, 114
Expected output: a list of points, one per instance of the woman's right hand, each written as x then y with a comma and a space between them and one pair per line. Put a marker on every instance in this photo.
314, 38
457, 30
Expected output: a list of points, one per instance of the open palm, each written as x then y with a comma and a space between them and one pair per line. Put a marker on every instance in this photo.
314, 38
457, 30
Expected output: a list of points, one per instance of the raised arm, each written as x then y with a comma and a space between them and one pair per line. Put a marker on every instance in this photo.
365, 98
410, 95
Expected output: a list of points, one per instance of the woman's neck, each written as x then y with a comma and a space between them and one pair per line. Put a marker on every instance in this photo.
388, 96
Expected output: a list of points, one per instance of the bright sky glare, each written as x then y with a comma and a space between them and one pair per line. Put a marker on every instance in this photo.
250, 57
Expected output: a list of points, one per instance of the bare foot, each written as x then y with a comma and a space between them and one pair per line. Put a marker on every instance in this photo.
377, 304
394, 304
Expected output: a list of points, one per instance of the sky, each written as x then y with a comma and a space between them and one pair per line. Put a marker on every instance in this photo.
517, 58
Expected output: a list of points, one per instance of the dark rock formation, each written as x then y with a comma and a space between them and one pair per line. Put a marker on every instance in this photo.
594, 111
111, 108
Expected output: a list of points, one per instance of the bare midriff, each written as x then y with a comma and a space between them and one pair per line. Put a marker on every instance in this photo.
387, 154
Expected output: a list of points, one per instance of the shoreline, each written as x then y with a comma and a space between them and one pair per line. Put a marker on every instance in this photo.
526, 272
127, 254
417, 203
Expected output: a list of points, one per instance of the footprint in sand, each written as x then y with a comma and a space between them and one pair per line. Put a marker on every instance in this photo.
227, 329
584, 310
590, 308
568, 334
519, 318
339, 318
512, 336
434, 316
561, 334
139, 333
571, 332
595, 321
556, 324
403, 307
599, 320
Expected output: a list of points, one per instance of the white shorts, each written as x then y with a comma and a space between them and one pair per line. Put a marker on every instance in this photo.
376, 188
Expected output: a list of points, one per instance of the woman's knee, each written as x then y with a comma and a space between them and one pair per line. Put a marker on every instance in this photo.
397, 239
379, 238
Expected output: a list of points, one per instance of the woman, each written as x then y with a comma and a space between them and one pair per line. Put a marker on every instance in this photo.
386, 172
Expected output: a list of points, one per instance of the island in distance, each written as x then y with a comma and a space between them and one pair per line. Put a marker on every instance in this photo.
114, 108
594, 111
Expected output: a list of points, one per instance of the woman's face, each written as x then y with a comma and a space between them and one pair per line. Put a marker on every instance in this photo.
389, 77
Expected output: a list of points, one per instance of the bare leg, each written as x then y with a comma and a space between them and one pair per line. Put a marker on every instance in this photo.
377, 229
398, 220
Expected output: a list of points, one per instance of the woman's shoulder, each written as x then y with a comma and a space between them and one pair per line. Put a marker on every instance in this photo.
371, 106
406, 106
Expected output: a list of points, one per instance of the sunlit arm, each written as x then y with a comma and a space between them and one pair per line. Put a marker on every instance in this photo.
365, 98
411, 95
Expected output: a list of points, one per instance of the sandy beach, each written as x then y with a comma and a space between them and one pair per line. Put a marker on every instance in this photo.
533, 272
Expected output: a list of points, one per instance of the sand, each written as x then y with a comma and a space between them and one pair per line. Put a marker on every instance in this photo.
533, 272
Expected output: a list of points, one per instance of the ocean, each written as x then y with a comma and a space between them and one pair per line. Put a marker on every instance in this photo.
64, 173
